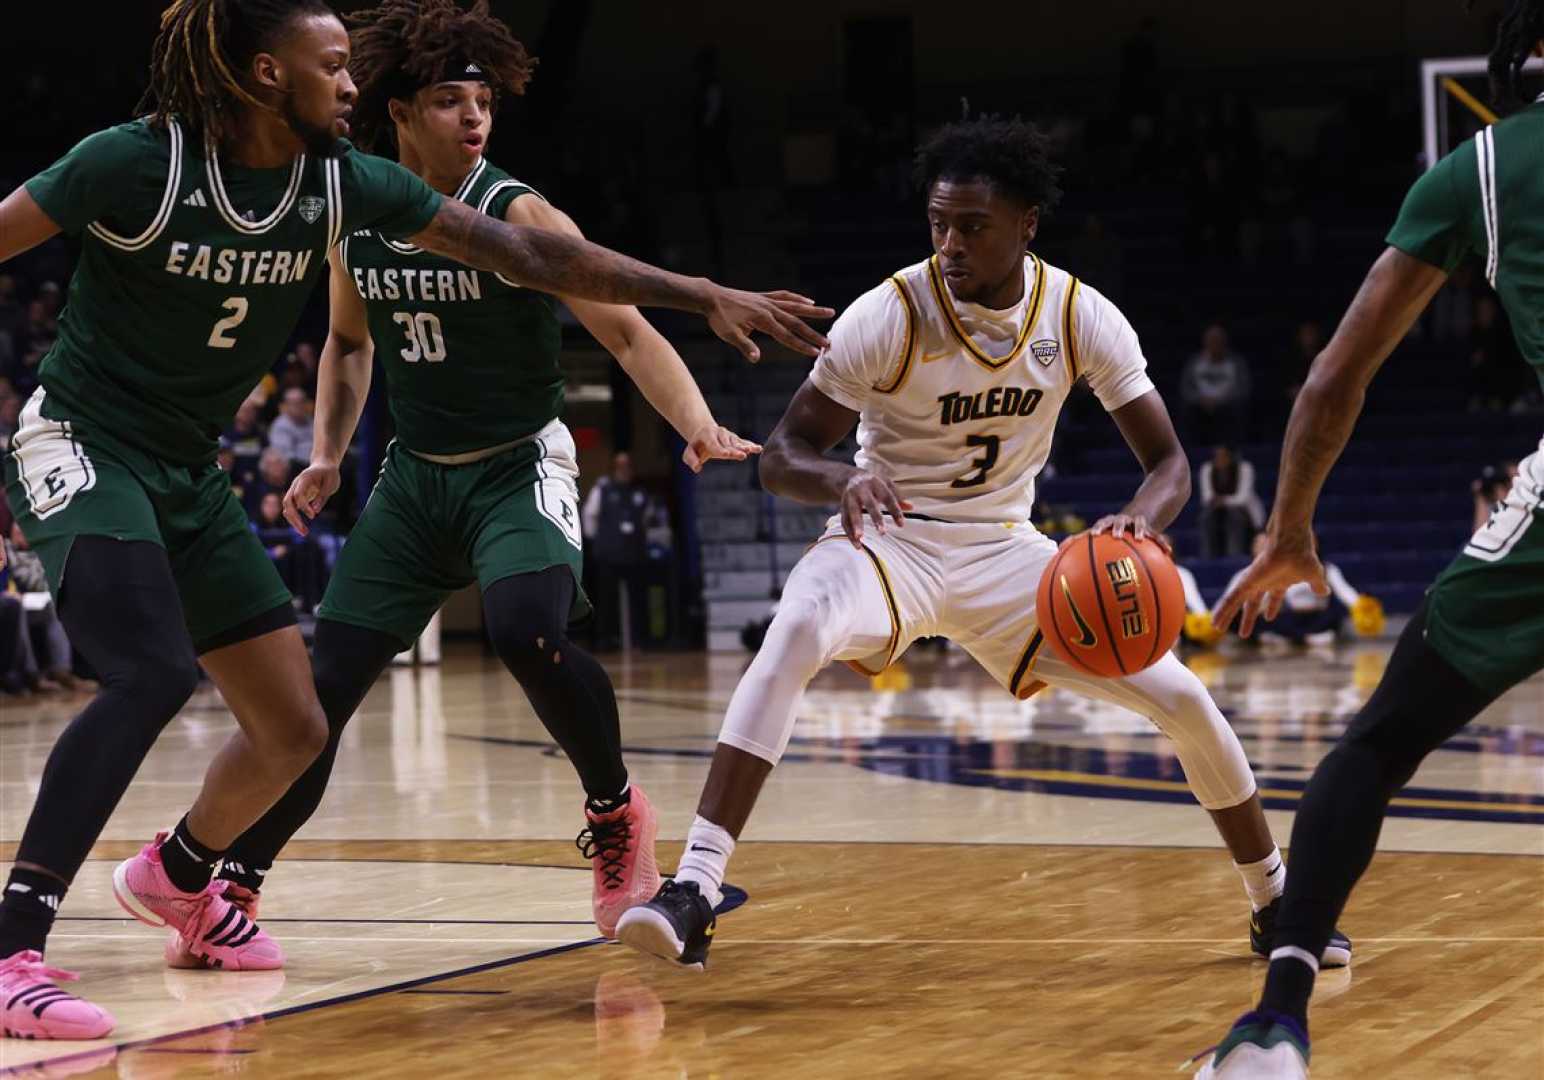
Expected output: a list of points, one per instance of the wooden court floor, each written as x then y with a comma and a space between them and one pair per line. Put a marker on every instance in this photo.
940, 880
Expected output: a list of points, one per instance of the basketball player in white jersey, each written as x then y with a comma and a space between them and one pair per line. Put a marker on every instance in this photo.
954, 371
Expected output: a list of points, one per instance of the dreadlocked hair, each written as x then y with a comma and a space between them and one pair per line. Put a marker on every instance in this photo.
1521, 29
201, 55
415, 42
1014, 156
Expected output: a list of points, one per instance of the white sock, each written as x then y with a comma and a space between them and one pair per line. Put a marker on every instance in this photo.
708, 848
1264, 880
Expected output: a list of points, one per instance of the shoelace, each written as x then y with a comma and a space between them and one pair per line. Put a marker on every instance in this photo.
36, 969
609, 841
196, 925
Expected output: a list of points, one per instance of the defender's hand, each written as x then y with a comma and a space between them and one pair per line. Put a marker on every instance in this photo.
308, 493
711, 442
868, 494
1285, 561
734, 315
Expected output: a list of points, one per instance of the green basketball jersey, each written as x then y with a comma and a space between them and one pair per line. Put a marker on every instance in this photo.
193, 273
471, 360
1486, 198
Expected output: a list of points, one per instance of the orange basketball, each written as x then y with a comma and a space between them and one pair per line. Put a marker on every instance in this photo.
1111, 606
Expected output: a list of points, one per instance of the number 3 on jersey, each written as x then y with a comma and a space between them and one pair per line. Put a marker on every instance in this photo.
425, 341
991, 444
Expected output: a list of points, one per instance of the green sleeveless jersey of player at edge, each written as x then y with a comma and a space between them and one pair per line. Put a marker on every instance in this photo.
1486, 198
193, 273
471, 360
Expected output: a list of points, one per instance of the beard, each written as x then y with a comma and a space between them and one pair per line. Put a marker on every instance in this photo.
319, 141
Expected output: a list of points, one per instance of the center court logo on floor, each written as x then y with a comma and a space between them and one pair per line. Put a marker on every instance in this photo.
1046, 350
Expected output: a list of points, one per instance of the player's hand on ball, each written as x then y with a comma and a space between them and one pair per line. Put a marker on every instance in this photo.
1119, 524
1285, 561
712, 442
734, 315
872, 495
308, 493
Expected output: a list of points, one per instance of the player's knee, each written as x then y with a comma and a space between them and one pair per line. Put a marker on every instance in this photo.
294, 742
803, 630
162, 682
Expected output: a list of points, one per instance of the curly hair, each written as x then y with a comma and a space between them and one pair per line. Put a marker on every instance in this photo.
201, 54
1014, 156
1519, 33
404, 43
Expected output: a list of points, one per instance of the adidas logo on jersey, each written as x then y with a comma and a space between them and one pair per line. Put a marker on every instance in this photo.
195, 199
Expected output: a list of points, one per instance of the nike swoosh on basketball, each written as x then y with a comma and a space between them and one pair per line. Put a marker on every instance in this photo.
1089, 638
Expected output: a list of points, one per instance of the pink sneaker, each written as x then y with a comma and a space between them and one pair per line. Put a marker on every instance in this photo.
181, 957
211, 927
620, 845
32, 1007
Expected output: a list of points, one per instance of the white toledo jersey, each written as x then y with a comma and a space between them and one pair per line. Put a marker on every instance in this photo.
957, 402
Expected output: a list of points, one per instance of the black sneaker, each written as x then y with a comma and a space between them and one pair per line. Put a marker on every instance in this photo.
677, 925
1262, 928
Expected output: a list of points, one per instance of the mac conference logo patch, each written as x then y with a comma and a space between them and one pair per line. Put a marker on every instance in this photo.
1046, 350
311, 208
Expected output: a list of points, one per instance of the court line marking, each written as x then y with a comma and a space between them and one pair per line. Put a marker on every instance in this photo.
368, 922
734, 897
342, 999
1101, 941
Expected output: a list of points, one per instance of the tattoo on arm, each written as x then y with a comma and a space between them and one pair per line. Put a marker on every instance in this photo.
553, 262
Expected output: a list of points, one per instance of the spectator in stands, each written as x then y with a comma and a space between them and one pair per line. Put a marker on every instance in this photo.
12, 314
615, 518
225, 458
299, 559
53, 656
1215, 390
1307, 341
37, 336
274, 472
10, 414
52, 298
1231, 511
1490, 491
292, 430
1197, 628
246, 437
1311, 619
18, 667
308, 358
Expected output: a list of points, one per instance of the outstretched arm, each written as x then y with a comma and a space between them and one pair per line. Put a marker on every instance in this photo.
569, 266
649, 360
1396, 290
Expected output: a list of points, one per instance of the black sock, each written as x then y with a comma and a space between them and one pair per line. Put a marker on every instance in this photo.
248, 875
607, 806
27, 910
1288, 986
188, 863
